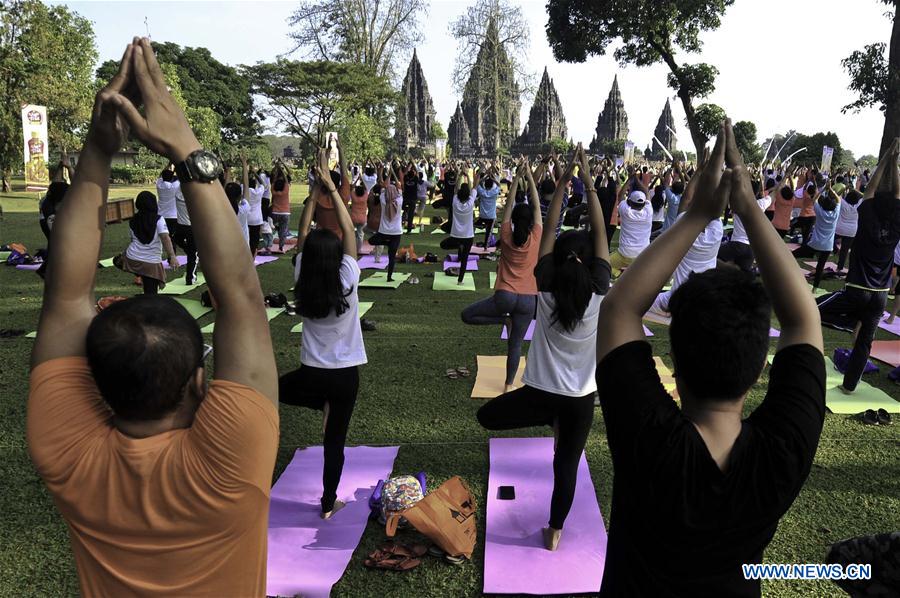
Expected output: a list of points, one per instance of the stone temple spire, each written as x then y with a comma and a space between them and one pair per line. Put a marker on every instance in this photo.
458, 134
415, 112
663, 132
546, 121
612, 124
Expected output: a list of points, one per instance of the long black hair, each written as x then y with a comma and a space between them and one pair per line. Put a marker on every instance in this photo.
143, 224
571, 286
522, 223
319, 291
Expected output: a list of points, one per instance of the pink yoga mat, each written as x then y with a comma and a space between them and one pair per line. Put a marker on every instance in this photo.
504, 334
471, 265
308, 555
515, 560
482, 250
813, 265
892, 328
368, 262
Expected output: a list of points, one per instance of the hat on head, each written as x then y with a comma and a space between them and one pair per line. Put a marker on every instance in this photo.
638, 197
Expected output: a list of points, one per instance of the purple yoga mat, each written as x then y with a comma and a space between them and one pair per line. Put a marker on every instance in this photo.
308, 555
264, 259
471, 265
892, 328
515, 560
774, 332
504, 335
368, 261
28, 266
182, 260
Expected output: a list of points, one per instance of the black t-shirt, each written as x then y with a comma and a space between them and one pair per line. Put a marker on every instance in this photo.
877, 234
679, 526
598, 268
410, 188
449, 184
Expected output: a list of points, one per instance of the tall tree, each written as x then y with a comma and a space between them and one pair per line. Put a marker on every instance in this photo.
375, 33
649, 31
877, 81
206, 82
46, 57
308, 98
745, 139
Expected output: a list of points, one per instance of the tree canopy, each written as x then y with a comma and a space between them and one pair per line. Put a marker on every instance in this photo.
745, 138
644, 32
46, 57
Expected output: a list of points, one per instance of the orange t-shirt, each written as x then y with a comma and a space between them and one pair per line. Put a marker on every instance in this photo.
515, 270
326, 217
783, 208
281, 200
359, 208
182, 513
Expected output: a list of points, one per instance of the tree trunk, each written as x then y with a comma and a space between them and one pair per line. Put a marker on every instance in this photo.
5, 186
697, 135
892, 107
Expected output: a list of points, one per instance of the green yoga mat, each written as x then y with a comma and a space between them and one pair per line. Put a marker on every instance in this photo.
195, 308
364, 306
178, 287
864, 397
492, 279
438, 231
4, 255
271, 312
107, 263
379, 280
442, 282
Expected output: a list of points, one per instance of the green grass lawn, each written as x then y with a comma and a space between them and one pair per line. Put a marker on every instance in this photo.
405, 400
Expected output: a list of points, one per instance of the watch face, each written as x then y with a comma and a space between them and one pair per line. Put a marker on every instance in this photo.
207, 165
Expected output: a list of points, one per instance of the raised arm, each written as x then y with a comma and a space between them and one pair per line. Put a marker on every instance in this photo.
511, 198
598, 228
245, 176
242, 342
343, 216
548, 236
68, 305
626, 303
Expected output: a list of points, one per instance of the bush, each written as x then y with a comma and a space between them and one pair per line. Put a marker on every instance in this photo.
133, 175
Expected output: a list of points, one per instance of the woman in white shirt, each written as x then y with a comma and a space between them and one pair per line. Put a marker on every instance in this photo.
149, 235
635, 224
253, 193
573, 274
845, 232
390, 229
326, 280
241, 208
462, 230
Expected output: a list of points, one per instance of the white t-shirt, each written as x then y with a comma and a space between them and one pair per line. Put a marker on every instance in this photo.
897, 255
369, 181
395, 225
563, 362
702, 254
165, 197
150, 253
739, 235
266, 228
255, 198
243, 216
181, 210
267, 184
848, 219
634, 229
463, 218
335, 342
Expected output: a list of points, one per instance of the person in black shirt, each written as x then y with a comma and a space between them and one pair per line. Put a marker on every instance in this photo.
699, 491
863, 299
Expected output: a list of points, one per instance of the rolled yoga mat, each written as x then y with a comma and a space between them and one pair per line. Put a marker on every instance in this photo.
307, 555
515, 560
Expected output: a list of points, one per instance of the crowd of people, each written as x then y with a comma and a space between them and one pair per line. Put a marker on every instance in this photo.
164, 478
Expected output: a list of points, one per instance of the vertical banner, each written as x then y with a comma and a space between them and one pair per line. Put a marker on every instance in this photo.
440, 149
35, 148
827, 155
629, 152
331, 143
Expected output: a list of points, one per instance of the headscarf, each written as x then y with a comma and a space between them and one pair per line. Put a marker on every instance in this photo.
143, 224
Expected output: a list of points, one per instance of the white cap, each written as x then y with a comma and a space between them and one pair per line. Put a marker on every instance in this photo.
638, 197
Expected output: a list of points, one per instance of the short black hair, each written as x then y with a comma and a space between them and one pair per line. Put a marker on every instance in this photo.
719, 333
547, 187
142, 353
678, 187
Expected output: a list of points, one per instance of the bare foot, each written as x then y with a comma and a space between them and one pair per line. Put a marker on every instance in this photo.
891, 319
552, 538
338, 505
508, 388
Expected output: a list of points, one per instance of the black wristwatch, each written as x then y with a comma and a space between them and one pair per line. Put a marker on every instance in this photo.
201, 166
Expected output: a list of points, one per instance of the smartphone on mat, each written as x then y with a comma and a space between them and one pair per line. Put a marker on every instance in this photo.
506, 492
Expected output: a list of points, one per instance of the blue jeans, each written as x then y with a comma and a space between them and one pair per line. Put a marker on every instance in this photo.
282, 223
494, 310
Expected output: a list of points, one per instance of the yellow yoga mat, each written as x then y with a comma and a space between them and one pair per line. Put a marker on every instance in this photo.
490, 378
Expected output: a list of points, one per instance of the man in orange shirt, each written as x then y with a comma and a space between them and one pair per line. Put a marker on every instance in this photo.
163, 479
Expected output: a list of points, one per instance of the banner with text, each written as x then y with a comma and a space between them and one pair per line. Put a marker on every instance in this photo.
827, 155
36, 147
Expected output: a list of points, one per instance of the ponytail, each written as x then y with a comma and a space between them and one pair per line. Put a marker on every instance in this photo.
571, 286
522, 223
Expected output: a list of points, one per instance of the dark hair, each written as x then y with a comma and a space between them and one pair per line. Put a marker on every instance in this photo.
489, 183
522, 223
233, 193
571, 286
547, 187
853, 197
839, 178
318, 291
55, 194
786, 193
770, 184
335, 178
811, 189
167, 175
359, 190
728, 310
827, 202
369, 170
279, 184
755, 185
464, 193
658, 198
678, 187
142, 353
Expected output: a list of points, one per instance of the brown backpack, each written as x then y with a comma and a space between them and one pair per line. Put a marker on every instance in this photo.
446, 516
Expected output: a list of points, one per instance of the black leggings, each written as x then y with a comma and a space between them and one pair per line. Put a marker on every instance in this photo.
821, 257
254, 229
488, 229
313, 387
527, 407
463, 247
409, 215
184, 238
151, 285
846, 244
393, 244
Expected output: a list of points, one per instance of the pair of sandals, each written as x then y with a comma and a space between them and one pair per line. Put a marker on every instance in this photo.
413, 280
397, 557
456, 373
870, 417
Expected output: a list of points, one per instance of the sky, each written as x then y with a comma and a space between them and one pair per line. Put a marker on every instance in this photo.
778, 60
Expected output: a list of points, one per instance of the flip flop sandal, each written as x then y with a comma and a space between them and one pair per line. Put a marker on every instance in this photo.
451, 373
463, 371
380, 560
412, 551
884, 418
869, 417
